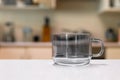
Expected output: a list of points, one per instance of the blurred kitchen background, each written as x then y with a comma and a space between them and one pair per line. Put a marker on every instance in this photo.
26, 25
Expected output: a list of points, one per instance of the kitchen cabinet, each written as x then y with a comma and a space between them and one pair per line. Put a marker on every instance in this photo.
104, 5
25, 52
112, 53
12, 53
78, 5
39, 53
44, 51
42, 4
49, 3
109, 6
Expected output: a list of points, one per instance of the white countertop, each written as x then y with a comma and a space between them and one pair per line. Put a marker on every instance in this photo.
45, 70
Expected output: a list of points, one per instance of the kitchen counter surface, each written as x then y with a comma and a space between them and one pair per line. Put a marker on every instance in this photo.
48, 44
45, 70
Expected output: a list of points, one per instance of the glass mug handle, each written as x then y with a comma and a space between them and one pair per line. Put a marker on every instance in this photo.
101, 45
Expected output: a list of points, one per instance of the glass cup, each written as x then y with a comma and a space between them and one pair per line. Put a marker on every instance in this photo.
74, 48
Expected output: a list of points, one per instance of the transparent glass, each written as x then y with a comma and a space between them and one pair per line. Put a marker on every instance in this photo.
74, 48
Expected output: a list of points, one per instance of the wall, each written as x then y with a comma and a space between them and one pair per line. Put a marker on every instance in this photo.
81, 21
23, 18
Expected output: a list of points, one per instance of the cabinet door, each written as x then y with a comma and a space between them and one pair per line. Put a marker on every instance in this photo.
47, 3
113, 53
104, 5
39, 53
53, 4
12, 53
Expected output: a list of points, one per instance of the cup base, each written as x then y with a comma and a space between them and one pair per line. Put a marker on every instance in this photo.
71, 61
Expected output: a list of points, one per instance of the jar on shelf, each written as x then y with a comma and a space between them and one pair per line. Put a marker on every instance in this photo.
27, 34
111, 35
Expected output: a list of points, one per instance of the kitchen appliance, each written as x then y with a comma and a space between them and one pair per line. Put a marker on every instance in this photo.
74, 48
110, 35
8, 35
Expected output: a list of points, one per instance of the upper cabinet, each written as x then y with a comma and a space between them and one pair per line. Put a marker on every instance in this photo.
78, 5
48, 3
28, 4
109, 6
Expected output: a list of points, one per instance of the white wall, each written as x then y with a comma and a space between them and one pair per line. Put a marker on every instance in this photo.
78, 21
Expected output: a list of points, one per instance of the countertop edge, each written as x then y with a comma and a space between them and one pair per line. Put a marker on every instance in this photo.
49, 44
25, 44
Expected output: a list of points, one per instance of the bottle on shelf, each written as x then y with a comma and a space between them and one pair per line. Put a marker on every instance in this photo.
46, 34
